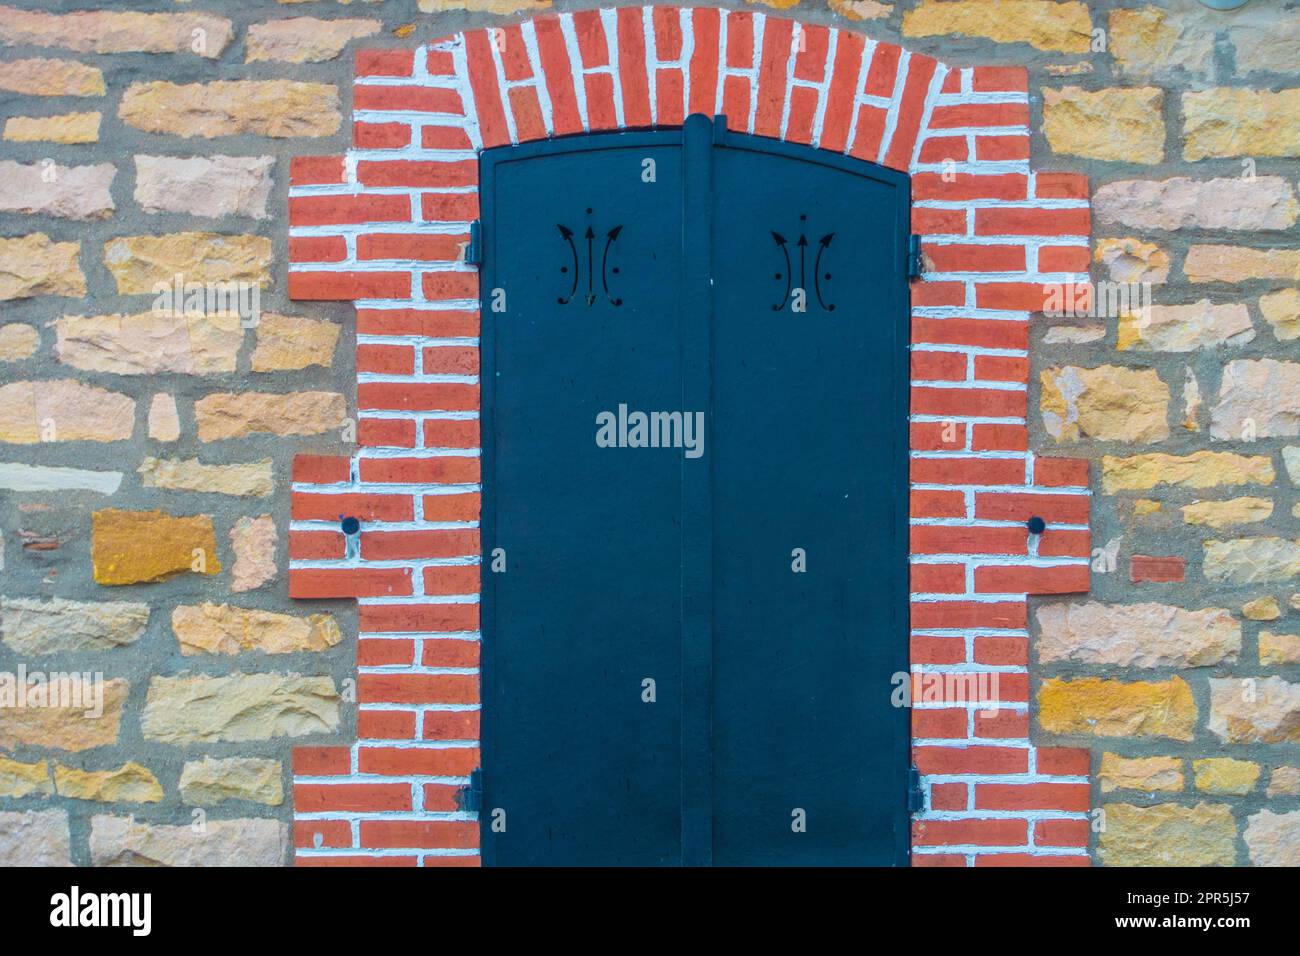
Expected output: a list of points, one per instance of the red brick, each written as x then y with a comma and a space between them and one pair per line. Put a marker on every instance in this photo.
967, 471
1061, 186
1061, 472
330, 833
883, 71
1063, 259
592, 46
442, 797
320, 469
957, 614
1002, 724
514, 55
554, 55
1061, 832
772, 72
740, 40
938, 436
451, 433
969, 402
317, 249
527, 111
417, 99
993, 149
384, 62
631, 67
706, 27
1033, 796
385, 725
839, 99
938, 366
341, 286
487, 94
401, 834
1064, 544
450, 653
813, 43
1017, 296
386, 359
1010, 506
341, 862
869, 134
417, 173
928, 292
934, 222
986, 333
948, 796
454, 507
971, 760
1063, 761
1032, 222
423, 247
803, 111
670, 96
1029, 859
440, 63
433, 323
385, 433
448, 207
1002, 651
347, 210
315, 171
451, 360
990, 79
377, 618
938, 860
381, 135
452, 579
600, 101
1156, 570
997, 832
1002, 368
962, 539
316, 545
938, 578
419, 761
928, 649
963, 115
385, 652
451, 725
959, 187
735, 101
396, 545
941, 149
418, 396
938, 504
351, 797
349, 582
328, 507
449, 285
443, 470
948, 723
321, 761
986, 437
968, 257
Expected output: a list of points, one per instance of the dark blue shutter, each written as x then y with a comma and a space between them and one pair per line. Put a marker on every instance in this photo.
771, 738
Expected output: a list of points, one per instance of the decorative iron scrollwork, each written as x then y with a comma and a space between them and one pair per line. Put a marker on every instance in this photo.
786, 275
606, 270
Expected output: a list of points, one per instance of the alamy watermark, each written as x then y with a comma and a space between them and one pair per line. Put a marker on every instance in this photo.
624, 429
64, 690
179, 297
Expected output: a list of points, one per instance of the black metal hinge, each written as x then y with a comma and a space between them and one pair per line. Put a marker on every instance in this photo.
474, 249
915, 261
915, 794
470, 798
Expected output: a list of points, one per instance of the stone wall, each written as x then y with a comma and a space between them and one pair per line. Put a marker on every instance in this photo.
145, 457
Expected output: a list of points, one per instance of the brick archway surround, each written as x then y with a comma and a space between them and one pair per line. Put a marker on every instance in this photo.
385, 226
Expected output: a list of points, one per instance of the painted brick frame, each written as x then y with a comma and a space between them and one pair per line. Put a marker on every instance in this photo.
385, 226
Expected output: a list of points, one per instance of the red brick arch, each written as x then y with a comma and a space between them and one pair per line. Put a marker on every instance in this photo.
385, 226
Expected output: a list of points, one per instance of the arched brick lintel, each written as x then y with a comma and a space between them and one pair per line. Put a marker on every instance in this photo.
385, 226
